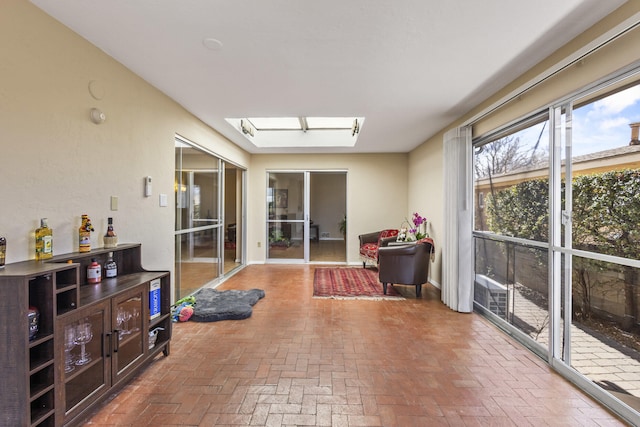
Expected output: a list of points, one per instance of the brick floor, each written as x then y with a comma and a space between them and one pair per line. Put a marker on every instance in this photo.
320, 362
600, 360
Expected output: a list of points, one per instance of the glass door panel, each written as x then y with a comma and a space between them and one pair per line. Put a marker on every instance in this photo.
233, 216
327, 210
128, 336
197, 265
605, 278
511, 207
286, 216
86, 356
199, 227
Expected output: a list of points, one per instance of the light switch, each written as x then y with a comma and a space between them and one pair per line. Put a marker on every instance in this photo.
114, 203
163, 200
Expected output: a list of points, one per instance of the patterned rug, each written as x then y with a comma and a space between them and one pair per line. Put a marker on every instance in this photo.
350, 283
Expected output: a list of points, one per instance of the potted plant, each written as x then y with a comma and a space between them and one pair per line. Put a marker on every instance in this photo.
277, 238
342, 225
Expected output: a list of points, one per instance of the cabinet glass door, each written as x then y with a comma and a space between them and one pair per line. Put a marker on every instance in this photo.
128, 321
85, 356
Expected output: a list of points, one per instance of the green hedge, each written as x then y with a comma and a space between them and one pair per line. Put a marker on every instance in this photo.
606, 217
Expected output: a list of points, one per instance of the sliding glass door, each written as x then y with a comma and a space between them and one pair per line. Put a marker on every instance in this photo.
306, 216
209, 218
557, 259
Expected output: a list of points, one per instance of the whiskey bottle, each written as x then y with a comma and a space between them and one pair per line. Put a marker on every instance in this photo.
84, 234
44, 241
110, 267
3, 250
110, 237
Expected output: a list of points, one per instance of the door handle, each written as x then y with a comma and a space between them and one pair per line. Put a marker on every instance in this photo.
116, 333
106, 347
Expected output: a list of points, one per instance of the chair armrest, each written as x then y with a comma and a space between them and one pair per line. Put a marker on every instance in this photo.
397, 250
384, 242
369, 238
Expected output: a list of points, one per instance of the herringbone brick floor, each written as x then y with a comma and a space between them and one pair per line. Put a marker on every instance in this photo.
300, 361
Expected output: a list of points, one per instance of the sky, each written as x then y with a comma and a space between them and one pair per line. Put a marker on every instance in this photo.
597, 126
604, 124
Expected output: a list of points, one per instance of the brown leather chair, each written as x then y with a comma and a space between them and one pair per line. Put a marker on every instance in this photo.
370, 242
404, 265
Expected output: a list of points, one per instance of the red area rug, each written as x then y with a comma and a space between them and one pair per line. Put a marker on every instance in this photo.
350, 283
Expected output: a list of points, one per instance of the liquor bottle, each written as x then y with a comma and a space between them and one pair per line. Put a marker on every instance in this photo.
110, 237
110, 267
94, 273
44, 241
3, 250
84, 234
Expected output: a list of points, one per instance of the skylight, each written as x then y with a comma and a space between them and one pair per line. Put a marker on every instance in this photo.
275, 123
266, 132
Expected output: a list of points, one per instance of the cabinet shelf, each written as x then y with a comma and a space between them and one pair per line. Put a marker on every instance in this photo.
42, 407
40, 354
65, 288
40, 338
125, 339
39, 365
158, 321
39, 390
80, 369
43, 418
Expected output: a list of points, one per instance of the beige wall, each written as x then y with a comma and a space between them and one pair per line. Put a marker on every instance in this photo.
425, 196
55, 163
376, 193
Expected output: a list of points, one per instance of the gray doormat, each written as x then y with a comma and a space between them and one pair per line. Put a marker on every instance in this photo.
213, 305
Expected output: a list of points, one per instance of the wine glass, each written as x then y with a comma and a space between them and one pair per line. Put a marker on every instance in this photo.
120, 322
83, 336
135, 315
127, 318
69, 343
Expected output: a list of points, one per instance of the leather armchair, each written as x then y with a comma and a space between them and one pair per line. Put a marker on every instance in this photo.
405, 265
370, 242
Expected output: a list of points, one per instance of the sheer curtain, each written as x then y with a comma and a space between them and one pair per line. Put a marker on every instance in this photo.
457, 250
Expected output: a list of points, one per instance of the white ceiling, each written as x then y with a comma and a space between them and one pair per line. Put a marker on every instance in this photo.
410, 67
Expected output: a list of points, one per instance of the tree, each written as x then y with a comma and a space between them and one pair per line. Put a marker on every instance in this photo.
605, 219
505, 155
521, 210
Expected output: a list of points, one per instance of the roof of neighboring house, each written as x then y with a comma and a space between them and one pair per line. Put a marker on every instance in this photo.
595, 161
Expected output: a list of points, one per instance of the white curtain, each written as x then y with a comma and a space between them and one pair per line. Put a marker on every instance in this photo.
457, 250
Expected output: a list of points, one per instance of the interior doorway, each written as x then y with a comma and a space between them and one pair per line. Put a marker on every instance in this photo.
306, 216
327, 213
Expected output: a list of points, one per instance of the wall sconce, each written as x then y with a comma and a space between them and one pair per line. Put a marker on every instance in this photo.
97, 116
246, 128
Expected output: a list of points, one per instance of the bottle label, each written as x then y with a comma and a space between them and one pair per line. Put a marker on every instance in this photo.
111, 271
85, 241
93, 274
47, 244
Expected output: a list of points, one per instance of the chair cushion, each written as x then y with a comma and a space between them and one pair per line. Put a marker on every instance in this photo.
369, 250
